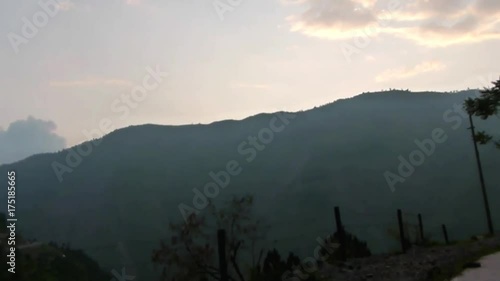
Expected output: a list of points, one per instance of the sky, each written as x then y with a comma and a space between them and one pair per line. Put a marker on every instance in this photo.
73, 70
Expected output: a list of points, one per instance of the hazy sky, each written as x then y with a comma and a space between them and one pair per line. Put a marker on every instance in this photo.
78, 64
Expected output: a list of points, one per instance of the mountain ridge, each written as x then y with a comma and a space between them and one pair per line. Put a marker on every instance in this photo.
259, 115
133, 182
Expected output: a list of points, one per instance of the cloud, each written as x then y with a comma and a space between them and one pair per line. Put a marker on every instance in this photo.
250, 86
133, 2
370, 58
329, 19
24, 138
65, 5
91, 82
407, 72
432, 23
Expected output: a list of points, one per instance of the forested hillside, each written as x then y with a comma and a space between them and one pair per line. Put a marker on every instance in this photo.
129, 187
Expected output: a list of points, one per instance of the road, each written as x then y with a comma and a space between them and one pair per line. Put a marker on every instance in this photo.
489, 270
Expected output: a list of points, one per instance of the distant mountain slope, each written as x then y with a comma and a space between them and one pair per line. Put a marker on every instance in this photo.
131, 184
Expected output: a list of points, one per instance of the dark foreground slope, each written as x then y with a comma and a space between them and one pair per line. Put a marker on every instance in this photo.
35, 260
130, 186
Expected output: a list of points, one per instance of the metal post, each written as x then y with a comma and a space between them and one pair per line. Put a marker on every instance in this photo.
221, 239
341, 234
481, 178
421, 227
445, 233
401, 230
